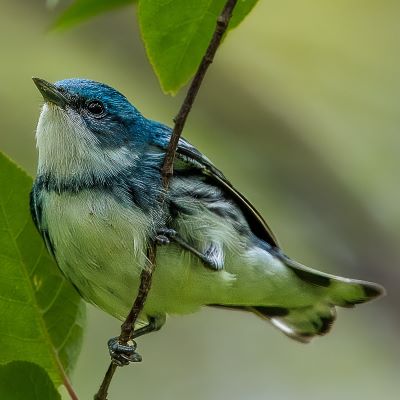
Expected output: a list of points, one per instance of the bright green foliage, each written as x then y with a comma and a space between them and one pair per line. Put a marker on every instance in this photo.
41, 315
81, 10
25, 380
177, 32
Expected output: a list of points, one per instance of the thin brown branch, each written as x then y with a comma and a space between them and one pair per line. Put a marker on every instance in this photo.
128, 326
144, 287
180, 119
103, 391
166, 172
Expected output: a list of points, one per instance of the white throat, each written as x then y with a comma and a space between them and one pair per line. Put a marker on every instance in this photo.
68, 149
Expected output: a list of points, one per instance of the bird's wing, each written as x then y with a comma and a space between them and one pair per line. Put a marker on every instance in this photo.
189, 155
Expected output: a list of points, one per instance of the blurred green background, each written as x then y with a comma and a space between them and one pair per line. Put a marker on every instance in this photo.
300, 110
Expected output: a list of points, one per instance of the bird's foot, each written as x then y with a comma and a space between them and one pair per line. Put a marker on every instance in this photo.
165, 235
123, 354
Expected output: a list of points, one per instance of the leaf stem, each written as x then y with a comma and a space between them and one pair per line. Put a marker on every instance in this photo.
166, 172
70, 389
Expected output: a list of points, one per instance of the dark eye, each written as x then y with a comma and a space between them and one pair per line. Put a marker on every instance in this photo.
95, 108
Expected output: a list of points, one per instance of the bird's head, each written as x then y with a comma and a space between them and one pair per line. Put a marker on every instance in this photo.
87, 129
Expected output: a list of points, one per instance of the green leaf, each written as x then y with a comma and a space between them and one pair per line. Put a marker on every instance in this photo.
41, 315
52, 3
176, 34
81, 10
21, 380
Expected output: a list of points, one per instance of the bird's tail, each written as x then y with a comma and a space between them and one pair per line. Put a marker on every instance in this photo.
303, 323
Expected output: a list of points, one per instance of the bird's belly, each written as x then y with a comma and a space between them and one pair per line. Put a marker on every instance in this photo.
98, 243
100, 246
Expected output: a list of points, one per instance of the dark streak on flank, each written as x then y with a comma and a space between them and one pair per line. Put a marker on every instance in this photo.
175, 209
272, 312
133, 195
49, 242
312, 278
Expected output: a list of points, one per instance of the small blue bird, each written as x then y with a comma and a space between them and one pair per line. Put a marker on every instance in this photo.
96, 203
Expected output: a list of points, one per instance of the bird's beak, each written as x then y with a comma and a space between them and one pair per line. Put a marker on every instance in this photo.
50, 92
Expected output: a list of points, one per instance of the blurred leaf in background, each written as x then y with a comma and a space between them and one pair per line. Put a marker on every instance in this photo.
42, 316
81, 10
176, 35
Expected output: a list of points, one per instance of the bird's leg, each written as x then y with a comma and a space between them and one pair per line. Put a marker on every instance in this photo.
166, 235
124, 354
155, 324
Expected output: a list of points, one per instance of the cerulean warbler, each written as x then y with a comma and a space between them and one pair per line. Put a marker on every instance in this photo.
96, 203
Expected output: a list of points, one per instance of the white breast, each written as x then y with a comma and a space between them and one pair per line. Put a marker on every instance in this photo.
99, 245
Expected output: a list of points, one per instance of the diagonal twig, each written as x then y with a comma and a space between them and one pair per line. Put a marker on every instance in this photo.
166, 172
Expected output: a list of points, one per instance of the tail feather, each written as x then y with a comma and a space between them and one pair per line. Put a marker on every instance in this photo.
303, 323
343, 292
